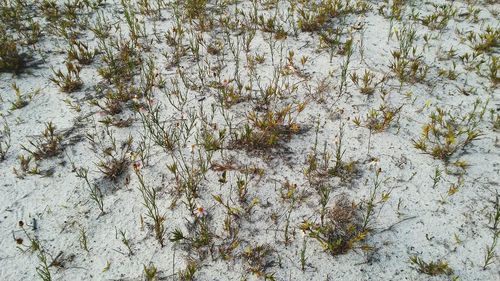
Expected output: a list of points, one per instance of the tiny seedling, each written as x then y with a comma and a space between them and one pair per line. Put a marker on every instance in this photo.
436, 177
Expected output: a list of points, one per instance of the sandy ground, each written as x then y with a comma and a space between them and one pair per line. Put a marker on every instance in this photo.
449, 219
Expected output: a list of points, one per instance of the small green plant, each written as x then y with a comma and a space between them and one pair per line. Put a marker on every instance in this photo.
440, 17
151, 272
126, 241
195, 8
112, 102
451, 73
493, 67
47, 145
120, 62
20, 101
188, 273
309, 21
379, 120
494, 221
70, 81
485, 42
348, 50
319, 167
432, 268
135, 26
495, 121
83, 240
93, 189
34, 244
43, 268
189, 173
303, 257
436, 177
365, 83
372, 202
81, 52
150, 197
314, 16
200, 237
407, 63
259, 259
5, 140
26, 167
164, 135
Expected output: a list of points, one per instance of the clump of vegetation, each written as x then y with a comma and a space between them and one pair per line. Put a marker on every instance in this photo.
268, 129
447, 132
47, 145
407, 63
81, 52
195, 8
11, 59
70, 81
187, 274
486, 41
432, 268
120, 62
21, 101
366, 83
342, 228
320, 166
198, 237
259, 259
494, 66
440, 17
114, 157
379, 120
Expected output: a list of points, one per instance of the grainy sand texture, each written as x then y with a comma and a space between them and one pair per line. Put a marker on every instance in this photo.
249, 140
